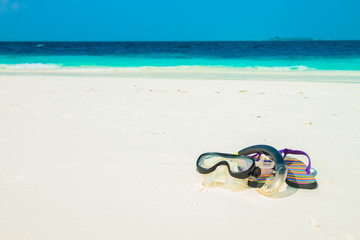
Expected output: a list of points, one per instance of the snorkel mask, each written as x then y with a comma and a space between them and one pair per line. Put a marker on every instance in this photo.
231, 171
226, 170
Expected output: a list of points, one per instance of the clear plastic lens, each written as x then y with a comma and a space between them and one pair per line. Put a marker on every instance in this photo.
236, 164
239, 164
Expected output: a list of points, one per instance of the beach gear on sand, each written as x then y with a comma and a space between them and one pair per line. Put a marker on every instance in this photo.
232, 171
299, 175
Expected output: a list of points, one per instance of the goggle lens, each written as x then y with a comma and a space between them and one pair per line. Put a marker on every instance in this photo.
237, 165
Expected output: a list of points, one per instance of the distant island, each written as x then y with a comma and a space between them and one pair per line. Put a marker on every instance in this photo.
290, 39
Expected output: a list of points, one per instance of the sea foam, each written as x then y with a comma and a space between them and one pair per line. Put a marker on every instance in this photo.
283, 68
60, 67
30, 66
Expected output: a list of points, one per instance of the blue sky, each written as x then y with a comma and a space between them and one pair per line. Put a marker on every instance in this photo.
170, 20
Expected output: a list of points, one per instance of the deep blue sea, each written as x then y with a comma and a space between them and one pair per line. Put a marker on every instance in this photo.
282, 55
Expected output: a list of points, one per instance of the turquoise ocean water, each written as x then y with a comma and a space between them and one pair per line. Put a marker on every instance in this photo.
296, 55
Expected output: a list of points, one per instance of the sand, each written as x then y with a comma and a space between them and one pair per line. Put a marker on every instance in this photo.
111, 157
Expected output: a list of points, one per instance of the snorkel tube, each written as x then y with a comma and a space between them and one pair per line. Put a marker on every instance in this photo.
271, 186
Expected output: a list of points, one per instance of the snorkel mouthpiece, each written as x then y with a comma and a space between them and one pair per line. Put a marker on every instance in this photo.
257, 172
271, 186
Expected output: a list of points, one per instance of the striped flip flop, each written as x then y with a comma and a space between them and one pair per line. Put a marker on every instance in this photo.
299, 175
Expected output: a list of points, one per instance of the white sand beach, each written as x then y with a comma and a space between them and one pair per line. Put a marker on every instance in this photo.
106, 156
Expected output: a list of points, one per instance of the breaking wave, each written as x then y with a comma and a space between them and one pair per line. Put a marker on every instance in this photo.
30, 66
59, 67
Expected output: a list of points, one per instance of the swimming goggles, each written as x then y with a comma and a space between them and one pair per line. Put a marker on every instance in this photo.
231, 171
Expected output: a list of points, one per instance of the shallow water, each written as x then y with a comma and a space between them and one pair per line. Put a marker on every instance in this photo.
253, 55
